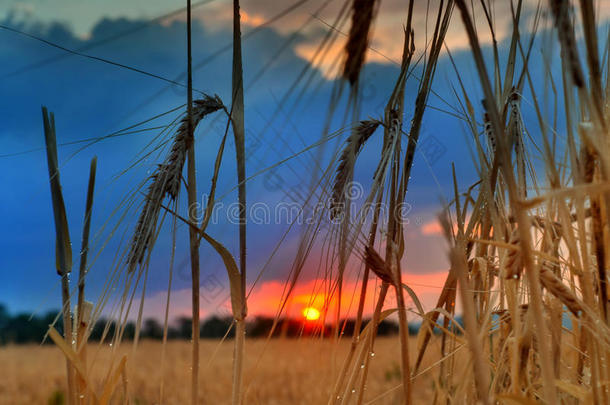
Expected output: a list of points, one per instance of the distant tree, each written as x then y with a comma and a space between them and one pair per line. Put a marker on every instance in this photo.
414, 328
259, 327
152, 329
347, 326
103, 328
4, 316
216, 327
130, 331
4, 319
387, 328
184, 327
24, 328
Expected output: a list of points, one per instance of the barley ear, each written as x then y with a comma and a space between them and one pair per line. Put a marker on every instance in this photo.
363, 12
378, 265
567, 39
347, 161
556, 287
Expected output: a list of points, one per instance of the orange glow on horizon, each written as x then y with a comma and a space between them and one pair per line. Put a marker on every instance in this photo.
268, 296
311, 314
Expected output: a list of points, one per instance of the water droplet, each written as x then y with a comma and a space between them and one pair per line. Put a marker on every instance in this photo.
372, 354
353, 391
362, 365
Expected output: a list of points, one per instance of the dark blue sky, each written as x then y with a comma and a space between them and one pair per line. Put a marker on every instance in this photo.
91, 99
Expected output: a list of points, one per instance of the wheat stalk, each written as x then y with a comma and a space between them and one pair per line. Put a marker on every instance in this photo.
63, 249
188, 145
166, 182
239, 132
519, 212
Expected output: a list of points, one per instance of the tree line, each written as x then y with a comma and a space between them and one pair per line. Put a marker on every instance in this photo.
26, 328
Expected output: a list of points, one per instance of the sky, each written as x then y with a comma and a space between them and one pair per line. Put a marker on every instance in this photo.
91, 99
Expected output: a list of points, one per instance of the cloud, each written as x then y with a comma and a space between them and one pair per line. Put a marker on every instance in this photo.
432, 228
315, 19
266, 298
217, 15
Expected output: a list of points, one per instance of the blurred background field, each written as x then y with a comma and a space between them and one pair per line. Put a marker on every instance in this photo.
284, 378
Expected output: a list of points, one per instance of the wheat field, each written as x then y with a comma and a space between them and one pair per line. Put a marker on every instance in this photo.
284, 377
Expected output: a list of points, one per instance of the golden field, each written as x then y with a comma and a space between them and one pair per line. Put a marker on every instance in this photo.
280, 371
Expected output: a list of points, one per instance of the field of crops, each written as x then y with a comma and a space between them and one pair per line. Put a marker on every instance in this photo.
297, 372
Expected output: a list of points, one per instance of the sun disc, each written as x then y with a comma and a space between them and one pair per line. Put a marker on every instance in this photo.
311, 314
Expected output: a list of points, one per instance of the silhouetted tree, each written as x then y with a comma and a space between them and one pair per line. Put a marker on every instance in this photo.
259, 327
184, 327
216, 327
152, 329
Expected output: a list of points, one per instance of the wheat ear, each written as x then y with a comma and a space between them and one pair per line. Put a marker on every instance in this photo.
363, 12
565, 32
376, 263
347, 161
556, 287
166, 181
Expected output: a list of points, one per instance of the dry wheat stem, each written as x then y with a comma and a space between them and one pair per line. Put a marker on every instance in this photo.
63, 250
521, 214
188, 145
237, 120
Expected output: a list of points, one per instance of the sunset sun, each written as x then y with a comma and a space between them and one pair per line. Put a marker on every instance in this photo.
311, 314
